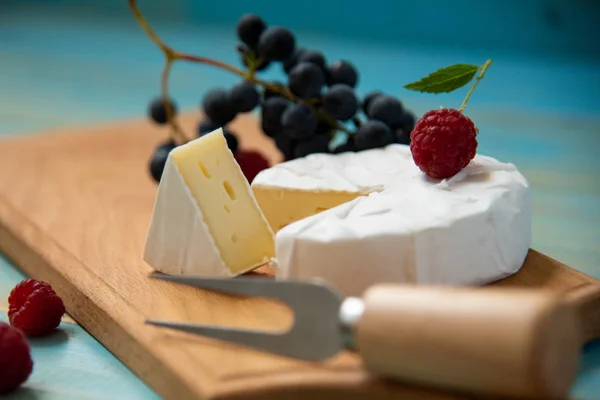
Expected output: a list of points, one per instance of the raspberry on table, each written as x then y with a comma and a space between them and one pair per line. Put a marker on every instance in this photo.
34, 308
443, 142
251, 163
15, 359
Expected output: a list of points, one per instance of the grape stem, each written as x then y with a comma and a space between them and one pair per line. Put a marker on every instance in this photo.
178, 134
482, 71
172, 55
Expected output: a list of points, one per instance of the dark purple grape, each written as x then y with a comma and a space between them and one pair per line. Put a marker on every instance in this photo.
286, 146
206, 126
408, 121
292, 60
324, 127
167, 146
315, 144
387, 110
368, 99
340, 101
217, 107
267, 93
342, 72
260, 64
299, 121
315, 57
157, 110
158, 160
244, 97
305, 80
249, 29
276, 44
232, 140
373, 134
345, 147
272, 110
401, 136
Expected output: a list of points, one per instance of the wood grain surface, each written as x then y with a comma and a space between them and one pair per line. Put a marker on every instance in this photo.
74, 209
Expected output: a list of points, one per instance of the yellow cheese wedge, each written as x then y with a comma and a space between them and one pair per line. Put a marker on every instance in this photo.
206, 220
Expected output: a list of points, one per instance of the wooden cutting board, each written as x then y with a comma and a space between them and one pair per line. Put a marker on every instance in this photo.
74, 209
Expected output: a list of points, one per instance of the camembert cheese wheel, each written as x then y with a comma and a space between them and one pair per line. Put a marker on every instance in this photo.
358, 219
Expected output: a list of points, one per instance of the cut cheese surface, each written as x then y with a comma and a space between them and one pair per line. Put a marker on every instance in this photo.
287, 206
358, 219
206, 220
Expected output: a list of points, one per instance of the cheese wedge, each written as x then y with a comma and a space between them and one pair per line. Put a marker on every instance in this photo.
206, 220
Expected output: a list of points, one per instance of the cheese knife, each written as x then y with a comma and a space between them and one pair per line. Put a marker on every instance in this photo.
496, 341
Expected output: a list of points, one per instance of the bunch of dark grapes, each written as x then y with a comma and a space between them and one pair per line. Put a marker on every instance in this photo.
302, 115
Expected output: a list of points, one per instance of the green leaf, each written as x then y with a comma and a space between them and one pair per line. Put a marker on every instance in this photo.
445, 80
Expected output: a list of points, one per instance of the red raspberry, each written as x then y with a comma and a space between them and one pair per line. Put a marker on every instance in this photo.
15, 359
34, 308
251, 162
443, 142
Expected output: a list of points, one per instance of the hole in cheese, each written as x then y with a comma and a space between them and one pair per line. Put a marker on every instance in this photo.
226, 207
234, 238
229, 190
204, 170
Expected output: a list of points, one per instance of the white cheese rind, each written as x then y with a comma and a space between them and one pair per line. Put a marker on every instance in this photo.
472, 229
178, 240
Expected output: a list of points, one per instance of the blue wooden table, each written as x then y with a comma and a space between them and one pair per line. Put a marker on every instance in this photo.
65, 64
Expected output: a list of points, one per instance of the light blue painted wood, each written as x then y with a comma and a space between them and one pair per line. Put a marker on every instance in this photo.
63, 66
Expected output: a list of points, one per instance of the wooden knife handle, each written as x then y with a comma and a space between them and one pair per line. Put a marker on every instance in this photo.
501, 342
